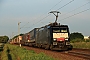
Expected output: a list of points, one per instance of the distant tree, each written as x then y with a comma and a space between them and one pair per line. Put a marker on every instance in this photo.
4, 39
76, 35
1, 39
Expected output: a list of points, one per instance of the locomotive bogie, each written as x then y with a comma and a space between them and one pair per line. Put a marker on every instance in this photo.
60, 46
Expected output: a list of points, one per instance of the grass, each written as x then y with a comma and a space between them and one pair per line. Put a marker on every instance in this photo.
82, 45
4, 54
13, 52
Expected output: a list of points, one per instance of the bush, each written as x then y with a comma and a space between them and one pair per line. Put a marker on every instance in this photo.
82, 45
77, 40
76, 35
87, 40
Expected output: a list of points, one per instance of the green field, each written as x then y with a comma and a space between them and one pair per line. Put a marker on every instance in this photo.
82, 45
13, 52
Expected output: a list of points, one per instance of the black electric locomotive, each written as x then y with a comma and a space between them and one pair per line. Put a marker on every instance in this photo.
54, 36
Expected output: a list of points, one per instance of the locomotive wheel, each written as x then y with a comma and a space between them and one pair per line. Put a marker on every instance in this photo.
71, 47
39, 46
51, 47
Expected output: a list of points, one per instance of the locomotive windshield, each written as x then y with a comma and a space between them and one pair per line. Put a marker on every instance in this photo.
63, 29
60, 29
56, 29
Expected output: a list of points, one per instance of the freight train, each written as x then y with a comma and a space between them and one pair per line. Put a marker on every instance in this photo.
52, 36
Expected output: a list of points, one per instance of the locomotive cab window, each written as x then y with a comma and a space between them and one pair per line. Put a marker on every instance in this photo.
63, 29
60, 29
56, 30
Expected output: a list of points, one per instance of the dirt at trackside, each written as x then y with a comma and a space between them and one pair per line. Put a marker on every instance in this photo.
54, 54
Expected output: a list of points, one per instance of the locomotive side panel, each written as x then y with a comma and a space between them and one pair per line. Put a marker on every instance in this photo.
43, 38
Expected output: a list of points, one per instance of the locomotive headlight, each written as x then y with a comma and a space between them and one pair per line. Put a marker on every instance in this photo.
54, 39
28, 40
66, 39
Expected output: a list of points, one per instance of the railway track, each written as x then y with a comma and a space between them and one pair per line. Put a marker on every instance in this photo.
82, 53
75, 54
79, 54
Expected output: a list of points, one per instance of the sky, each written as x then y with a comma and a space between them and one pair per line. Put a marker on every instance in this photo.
35, 13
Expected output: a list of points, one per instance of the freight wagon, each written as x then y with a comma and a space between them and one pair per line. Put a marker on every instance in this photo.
29, 38
25, 39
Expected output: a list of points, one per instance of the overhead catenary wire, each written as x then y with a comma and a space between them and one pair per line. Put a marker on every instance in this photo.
50, 9
75, 14
76, 8
47, 15
57, 9
47, 11
56, 4
24, 25
65, 5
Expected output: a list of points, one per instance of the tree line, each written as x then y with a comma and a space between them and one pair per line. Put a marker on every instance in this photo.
74, 37
78, 37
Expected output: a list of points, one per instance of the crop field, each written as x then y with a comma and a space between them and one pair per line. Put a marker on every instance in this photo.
82, 45
13, 52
